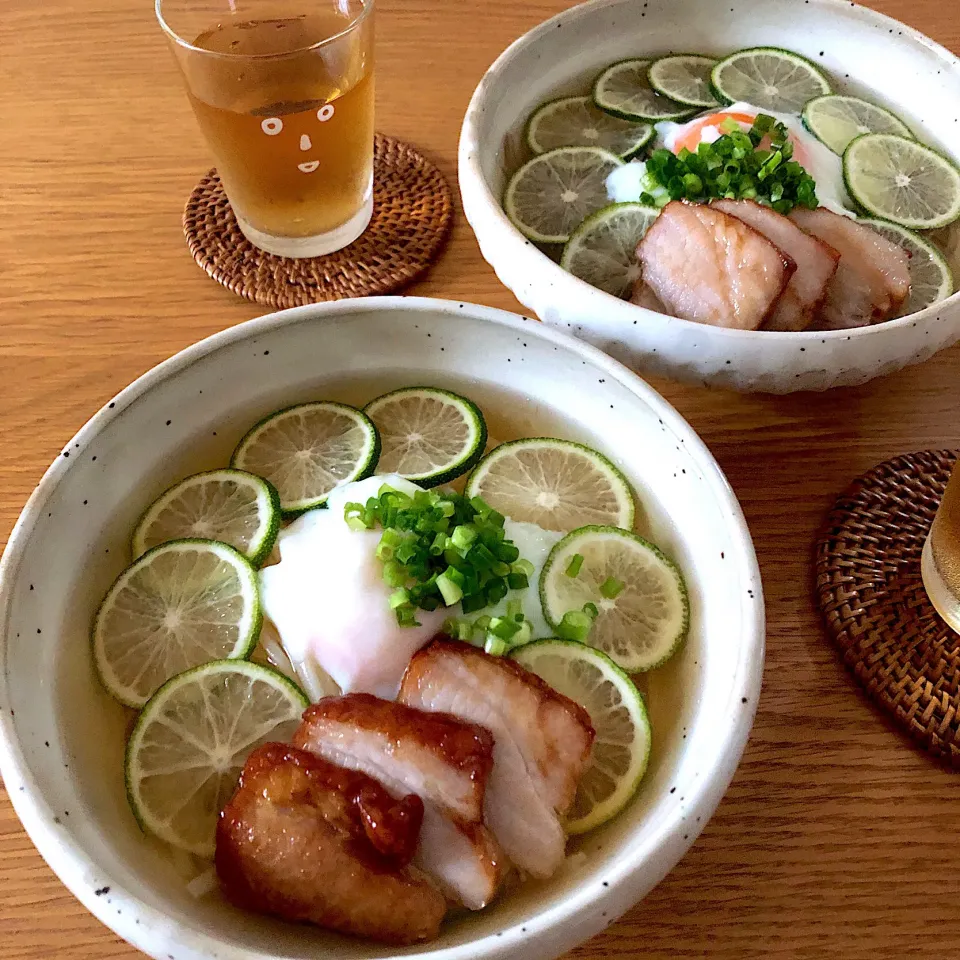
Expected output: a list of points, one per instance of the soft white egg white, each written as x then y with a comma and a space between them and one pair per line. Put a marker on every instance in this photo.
330, 606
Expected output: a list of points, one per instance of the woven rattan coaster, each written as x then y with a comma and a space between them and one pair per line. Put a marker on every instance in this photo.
876, 610
412, 212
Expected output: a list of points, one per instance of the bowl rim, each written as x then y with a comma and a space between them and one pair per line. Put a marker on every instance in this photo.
468, 165
148, 928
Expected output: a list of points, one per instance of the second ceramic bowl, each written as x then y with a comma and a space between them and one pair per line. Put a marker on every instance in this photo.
864, 52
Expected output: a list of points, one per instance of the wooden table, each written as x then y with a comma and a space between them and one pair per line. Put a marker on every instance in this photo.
836, 839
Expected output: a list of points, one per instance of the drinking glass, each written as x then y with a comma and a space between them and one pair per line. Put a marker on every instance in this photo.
283, 92
940, 561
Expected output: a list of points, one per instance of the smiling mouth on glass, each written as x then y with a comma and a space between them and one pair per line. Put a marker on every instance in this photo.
309, 166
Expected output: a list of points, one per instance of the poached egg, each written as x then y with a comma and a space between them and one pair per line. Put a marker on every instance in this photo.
330, 606
626, 183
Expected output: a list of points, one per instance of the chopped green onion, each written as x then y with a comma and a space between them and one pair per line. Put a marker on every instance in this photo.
441, 548
591, 610
515, 610
496, 591
575, 625
451, 592
738, 165
463, 537
394, 574
503, 628
495, 646
573, 567
473, 602
611, 587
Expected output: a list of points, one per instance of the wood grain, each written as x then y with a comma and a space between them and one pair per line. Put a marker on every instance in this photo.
836, 839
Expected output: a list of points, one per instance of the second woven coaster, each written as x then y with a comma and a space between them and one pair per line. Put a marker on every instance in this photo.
412, 212
874, 604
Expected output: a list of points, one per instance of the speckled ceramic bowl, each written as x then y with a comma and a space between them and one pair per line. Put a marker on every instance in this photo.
61, 736
866, 53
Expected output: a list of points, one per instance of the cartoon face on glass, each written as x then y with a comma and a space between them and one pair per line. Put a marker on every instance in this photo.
273, 127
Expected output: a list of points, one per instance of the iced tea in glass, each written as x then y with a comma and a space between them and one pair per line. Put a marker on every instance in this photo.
940, 562
283, 92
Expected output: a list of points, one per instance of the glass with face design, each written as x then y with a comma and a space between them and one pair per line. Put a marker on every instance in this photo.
283, 92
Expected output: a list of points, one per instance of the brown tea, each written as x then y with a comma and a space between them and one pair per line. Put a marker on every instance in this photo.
291, 126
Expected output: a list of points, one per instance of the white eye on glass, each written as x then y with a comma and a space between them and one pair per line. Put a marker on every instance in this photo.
271, 126
325, 112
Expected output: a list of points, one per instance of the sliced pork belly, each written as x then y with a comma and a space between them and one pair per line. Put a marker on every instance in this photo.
436, 756
643, 296
443, 760
704, 265
542, 742
816, 263
872, 279
305, 840
463, 859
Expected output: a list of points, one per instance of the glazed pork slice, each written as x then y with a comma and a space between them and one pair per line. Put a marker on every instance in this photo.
464, 859
872, 279
542, 743
436, 756
816, 263
704, 265
308, 841
443, 760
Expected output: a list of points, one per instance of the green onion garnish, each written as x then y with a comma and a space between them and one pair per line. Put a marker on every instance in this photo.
573, 567
591, 610
611, 587
575, 625
736, 167
438, 549
495, 646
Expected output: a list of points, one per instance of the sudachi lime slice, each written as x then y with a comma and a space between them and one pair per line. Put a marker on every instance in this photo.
769, 78
931, 279
192, 739
684, 78
902, 181
624, 90
181, 604
836, 120
231, 506
550, 195
556, 484
307, 450
646, 622
577, 122
603, 250
427, 435
622, 745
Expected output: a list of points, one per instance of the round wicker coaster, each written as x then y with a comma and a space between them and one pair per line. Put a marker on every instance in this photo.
412, 212
876, 609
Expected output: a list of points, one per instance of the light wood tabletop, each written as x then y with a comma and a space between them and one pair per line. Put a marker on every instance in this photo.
837, 838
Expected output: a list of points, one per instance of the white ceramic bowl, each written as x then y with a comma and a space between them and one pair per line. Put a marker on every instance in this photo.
868, 54
61, 737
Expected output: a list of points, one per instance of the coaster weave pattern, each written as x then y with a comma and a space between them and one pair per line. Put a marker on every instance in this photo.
874, 604
412, 213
